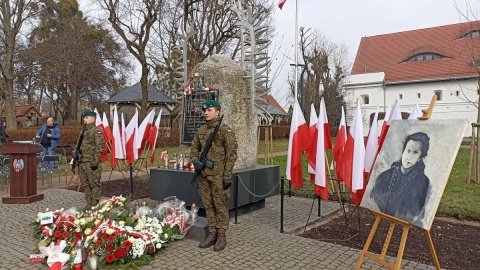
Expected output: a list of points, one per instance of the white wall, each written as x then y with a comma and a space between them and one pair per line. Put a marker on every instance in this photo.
459, 99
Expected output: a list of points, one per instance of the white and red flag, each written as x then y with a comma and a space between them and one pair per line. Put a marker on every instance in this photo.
415, 113
353, 161
281, 3
152, 136
323, 143
340, 142
298, 142
311, 152
106, 128
117, 147
99, 124
395, 114
143, 131
130, 138
371, 146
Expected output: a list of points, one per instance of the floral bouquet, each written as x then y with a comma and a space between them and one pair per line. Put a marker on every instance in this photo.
115, 233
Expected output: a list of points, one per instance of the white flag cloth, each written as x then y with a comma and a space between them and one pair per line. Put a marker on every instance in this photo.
117, 136
372, 144
416, 112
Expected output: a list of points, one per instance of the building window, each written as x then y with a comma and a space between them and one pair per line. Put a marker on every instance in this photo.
438, 93
365, 99
400, 96
419, 95
425, 57
472, 34
457, 93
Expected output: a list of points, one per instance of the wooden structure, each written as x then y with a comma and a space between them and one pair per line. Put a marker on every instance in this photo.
393, 222
473, 163
23, 173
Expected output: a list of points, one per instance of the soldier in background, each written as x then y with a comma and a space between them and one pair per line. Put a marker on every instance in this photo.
89, 165
214, 189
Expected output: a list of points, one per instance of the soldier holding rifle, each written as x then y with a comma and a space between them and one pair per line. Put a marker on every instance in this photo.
89, 154
214, 152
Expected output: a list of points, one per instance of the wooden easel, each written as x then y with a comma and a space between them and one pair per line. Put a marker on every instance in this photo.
74, 180
393, 222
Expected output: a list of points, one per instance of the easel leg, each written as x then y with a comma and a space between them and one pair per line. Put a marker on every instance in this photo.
387, 240
401, 247
432, 250
369, 241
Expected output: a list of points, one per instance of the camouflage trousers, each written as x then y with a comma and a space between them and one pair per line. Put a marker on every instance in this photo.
215, 202
91, 183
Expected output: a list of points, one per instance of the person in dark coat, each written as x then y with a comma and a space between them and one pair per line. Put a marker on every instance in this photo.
402, 191
49, 134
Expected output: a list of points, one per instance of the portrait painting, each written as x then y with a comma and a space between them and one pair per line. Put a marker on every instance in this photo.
412, 169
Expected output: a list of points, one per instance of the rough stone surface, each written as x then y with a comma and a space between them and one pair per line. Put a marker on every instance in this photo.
226, 75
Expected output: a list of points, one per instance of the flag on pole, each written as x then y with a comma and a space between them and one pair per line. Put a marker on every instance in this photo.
106, 128
353, 162
371, 146
416, 112
99, 124
281, 3
130, 138
340, 142
311, 152
298, 142
323, 143
152, 136
117, 148
143, 131
395, 114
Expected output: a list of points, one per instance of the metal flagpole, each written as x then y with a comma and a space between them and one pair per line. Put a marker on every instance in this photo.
296, 50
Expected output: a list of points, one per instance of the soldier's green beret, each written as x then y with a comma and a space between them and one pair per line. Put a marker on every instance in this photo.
210, 103
88, 113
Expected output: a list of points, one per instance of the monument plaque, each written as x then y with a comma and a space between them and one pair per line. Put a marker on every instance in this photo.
192, 112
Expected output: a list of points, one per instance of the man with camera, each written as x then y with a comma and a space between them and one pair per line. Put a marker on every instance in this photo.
214, 183
89, 163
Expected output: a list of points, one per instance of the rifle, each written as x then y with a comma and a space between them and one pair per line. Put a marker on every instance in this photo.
203, 155
76, 153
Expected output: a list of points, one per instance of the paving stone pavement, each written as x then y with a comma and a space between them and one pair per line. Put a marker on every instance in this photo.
254, 243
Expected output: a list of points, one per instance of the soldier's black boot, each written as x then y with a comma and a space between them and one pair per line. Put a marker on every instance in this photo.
221, 242
209, 241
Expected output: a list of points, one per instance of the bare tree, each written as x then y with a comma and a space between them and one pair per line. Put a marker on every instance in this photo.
133, 20
13, 14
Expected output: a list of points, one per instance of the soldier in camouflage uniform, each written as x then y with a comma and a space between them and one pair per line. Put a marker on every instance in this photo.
212, 189
89, 167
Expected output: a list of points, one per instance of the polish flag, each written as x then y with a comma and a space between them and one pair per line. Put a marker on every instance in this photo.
395, 114
339, 145
298, 142
124, 150
281, 3
371, 146
99, 124
311, 152
143, 131
130, 136
117, 148
323, 143
353, 162
152, 136
106, 128
416, 112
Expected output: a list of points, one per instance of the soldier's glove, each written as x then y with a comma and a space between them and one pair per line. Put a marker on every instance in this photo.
94, 166
197, 164
227, 182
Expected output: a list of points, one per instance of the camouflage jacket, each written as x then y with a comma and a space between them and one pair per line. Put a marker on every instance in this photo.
223, 152
92, 144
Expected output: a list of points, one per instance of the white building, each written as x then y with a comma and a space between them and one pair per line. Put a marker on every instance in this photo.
413, 66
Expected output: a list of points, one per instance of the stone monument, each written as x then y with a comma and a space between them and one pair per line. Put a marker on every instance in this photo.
227, 76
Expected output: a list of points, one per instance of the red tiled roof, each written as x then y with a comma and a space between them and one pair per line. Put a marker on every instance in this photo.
21, 110
387, 53
271, 100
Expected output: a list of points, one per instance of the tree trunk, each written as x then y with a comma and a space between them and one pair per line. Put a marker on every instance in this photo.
144, 85
10, 110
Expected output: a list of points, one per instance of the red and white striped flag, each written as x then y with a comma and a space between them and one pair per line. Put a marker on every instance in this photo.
372, 144
312, 151
395, 114
106, 128
323, 143
298, 142
117, 148
130, 137
340, 142
353, 161
152, 136
281, 3
99, 124
143, 131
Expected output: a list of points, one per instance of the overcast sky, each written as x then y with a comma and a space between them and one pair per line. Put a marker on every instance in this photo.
347, 21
